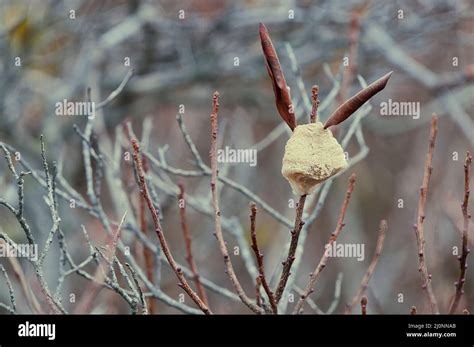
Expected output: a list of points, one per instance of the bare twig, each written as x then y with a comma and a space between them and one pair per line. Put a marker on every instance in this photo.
419, 225
139, 289
183, 283
295, 234
148, 257
188, 243
314, 111
363, 305
323, 261
92, 290
259, 256
465, 250
10, 289
54, 305
217, 213
365, 280
117, 91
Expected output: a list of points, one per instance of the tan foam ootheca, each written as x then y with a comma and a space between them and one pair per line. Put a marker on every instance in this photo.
312, 155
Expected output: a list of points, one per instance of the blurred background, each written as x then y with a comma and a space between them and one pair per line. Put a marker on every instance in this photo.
181, 52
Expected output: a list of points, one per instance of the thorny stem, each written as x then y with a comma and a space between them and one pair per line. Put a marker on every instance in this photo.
217, 213
183, 283
465, 250
419, 226
365, 281
295, 234
323, 261
188, 243
259, 256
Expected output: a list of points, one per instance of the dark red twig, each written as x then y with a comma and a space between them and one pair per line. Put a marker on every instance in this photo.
295, 234
323, 261
365, 280
465, 250
350, 106
217, 220
183, 283
147, 254
280, 88
314, 111
363, 305
189, 249
419, 226
259, 256
258, 298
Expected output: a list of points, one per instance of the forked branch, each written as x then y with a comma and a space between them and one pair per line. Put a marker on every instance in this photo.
217, 213
323, 261
183, 283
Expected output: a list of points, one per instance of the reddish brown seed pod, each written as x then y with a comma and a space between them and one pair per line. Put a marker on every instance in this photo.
350, 106
280, 88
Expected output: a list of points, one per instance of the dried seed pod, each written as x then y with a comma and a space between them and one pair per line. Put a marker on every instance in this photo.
312, 155
280, 88
350, 106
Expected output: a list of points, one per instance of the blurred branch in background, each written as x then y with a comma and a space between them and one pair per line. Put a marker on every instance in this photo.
142, 63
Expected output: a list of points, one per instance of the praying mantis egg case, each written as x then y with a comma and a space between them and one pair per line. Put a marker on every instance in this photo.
312, 155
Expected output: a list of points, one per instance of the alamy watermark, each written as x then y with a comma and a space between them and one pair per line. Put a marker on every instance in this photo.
400, 108
345, 250
75, 108
19, 251
231, 155
28, 329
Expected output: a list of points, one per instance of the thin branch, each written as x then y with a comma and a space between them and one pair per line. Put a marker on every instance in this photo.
188, 243
259, 256
10, 289
323, 261
100, 275
365, 280
465, 250
314, 111
217, 213
419, 226
295, 234
117, 91
148, 257
183, 283
51, 202
140, 292
363, 305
